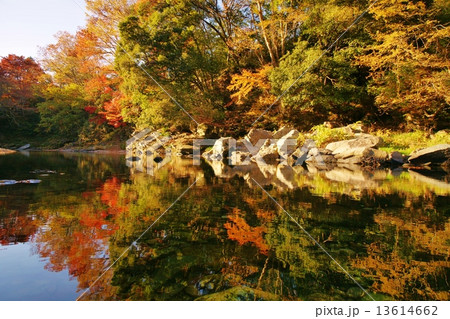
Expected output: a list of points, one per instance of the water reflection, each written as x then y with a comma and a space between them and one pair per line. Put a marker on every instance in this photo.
225, 239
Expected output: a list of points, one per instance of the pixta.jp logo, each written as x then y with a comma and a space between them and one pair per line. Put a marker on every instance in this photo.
146, 151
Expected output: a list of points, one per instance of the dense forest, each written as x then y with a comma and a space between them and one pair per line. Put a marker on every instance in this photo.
172, 64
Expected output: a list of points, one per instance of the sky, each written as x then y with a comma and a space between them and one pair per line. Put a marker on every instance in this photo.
26, 25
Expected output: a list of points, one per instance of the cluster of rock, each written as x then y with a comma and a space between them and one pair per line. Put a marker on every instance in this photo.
264, 147
287, 147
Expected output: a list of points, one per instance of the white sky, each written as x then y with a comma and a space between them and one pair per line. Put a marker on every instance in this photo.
27, 24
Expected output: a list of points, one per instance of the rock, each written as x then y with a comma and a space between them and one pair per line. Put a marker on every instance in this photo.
158, 159
379, 156
362, 155
257, 134
434, 155
24, 147
287, 144
268, 154
240, 158
320, 156
221, 148
282, 132
4, 151
361, 141
396, 158
300, 155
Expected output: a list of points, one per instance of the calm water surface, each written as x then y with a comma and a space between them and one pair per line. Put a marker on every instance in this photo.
225, 239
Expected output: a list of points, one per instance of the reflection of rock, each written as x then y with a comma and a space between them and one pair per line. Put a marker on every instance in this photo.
359, 178
286, 175
240, 158
24, 147
429, 180
267, 170
434, 155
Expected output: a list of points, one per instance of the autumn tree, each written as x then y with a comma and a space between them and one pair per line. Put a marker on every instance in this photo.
21, 80
316, 78
409, 61
167, 44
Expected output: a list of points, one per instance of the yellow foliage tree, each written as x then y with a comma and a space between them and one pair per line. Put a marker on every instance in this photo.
408, 61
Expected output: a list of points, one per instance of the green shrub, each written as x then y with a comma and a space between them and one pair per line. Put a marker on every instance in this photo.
324, 135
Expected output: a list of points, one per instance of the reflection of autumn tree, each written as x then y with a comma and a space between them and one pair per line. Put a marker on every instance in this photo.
413, 264
77, 233
239, 230
15, 228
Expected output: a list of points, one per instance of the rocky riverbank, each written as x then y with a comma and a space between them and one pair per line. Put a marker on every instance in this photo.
290, 147
4, 151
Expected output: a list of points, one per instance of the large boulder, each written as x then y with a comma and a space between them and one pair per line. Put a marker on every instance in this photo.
288, 143
257, 134
221, 148
363, 156
282, 132
268, 154
360, 142
434, 155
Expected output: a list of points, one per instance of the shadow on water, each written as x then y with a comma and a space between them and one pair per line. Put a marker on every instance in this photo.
225, 239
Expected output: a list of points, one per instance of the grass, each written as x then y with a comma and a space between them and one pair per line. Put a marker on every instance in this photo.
324, 135
408, 142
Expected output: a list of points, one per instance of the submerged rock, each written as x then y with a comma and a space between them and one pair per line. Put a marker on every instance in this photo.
5, 182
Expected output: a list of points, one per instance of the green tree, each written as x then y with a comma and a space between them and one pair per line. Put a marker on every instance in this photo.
63, 113
330, 87
169, 42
